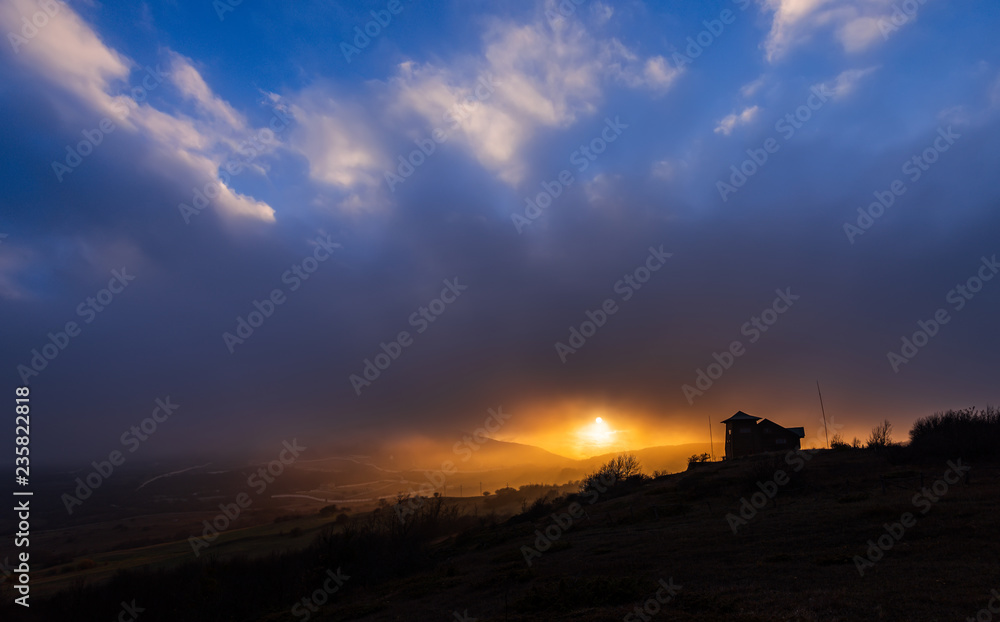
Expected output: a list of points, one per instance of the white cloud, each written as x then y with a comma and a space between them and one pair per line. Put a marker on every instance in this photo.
624, 66
854, 23
859, 33
65, 52
729, 122
663, 169
190, 83
846, 82
601, 12
658, 73
547, 75
335, 139
70, 56
750, 89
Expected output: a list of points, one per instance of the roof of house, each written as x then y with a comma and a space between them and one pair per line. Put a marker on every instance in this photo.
741, 416
799, 432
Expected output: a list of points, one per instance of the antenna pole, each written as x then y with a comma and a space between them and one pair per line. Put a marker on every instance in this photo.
825, 430
710, 440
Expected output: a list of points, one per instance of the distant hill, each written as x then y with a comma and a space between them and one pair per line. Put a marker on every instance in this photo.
493, 464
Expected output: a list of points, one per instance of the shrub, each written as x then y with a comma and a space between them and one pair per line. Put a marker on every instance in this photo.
967, 433
698, 458
838, 442
881, 436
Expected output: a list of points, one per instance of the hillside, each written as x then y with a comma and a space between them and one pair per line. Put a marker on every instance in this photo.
795, 558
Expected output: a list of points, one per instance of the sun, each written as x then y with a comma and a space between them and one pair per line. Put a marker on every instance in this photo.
598, 435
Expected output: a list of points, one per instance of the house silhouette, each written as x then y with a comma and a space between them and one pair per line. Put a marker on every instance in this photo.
747, 435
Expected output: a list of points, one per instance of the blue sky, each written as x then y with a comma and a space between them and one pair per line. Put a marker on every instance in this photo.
315, 138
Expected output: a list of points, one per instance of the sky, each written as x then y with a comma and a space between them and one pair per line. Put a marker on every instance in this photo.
356, 222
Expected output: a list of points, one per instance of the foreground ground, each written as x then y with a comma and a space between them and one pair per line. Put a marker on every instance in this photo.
794, 560
797, 558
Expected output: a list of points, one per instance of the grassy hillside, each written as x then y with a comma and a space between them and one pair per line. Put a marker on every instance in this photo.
794, 558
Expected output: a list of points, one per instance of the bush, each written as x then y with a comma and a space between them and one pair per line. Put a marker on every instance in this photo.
698, 458
881, 436
838, 442
967, 433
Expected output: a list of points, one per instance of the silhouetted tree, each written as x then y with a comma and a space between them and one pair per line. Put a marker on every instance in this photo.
881, 436
619, 469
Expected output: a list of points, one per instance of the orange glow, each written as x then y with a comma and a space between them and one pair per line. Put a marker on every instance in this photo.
598, 437
582, 428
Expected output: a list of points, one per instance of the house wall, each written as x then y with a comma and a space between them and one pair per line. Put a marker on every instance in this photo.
745, 438
742, 439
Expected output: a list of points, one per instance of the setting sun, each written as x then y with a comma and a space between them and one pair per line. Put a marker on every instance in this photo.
597, 437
